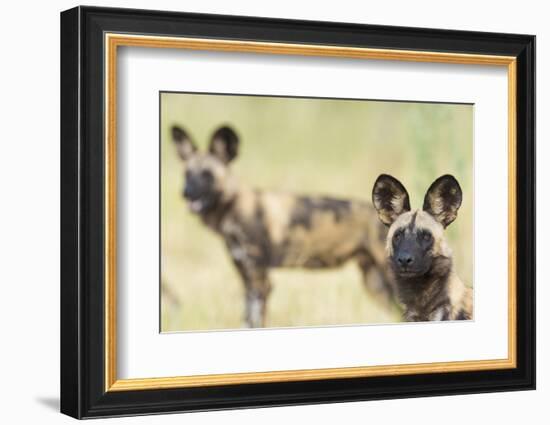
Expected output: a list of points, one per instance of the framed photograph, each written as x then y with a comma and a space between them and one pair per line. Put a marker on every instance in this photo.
261, 212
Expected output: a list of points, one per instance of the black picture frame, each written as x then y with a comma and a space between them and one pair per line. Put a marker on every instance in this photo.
83, 392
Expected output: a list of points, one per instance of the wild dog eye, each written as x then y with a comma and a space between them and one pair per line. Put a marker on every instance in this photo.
397, 236
425, 236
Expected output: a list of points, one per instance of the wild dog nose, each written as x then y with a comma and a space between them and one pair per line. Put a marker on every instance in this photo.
186, 192
405, 260
190, 192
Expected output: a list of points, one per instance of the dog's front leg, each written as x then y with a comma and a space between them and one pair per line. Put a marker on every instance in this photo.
251, 264
257, 289
255, 308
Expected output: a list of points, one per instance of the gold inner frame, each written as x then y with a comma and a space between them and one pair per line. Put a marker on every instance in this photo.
113, 41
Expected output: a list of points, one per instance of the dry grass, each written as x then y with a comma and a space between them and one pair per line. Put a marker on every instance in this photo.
307, 146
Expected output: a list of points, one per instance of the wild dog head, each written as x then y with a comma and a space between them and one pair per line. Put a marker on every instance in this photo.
208, 180
416, 245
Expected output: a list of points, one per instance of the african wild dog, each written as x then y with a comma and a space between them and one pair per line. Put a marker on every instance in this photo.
264, 230
418, 254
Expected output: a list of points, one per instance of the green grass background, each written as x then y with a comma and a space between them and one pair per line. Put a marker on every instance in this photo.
317, 146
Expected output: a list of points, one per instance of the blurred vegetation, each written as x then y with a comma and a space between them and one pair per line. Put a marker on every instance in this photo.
310, 146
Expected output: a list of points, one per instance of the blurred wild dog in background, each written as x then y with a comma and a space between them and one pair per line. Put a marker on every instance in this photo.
265, 229
418, 252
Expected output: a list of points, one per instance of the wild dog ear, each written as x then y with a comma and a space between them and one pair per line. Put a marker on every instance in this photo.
183, 142
443, 199
224, 144
390, 198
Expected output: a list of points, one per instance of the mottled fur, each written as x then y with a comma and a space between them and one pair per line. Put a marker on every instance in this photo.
418, 252
264, 230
